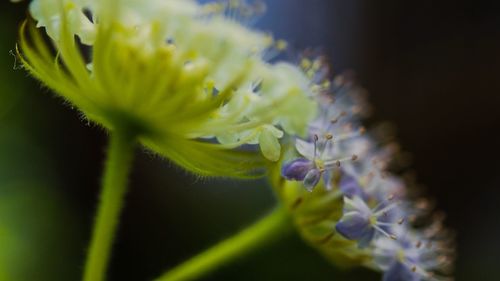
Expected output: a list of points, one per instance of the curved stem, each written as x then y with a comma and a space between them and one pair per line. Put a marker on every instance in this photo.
114, 186
258, 235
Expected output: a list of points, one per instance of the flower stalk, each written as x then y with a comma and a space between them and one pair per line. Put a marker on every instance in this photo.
256, 236
114, 187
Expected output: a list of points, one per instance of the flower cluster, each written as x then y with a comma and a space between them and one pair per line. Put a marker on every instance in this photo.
192, 81
346, 202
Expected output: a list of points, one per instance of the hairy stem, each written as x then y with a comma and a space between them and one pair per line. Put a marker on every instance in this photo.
250, 239
114, 187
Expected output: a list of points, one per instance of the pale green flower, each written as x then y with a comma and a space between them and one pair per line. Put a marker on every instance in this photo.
47, 13
180, 75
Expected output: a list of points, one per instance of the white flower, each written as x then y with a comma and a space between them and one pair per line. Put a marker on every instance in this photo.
178, 74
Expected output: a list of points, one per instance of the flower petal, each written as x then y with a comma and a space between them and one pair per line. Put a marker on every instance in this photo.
355, 226
312, 179
269, 145
350, 186
297, 169
400, 272
305, 148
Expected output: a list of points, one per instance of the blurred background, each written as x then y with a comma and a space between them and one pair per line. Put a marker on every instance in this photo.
432, 69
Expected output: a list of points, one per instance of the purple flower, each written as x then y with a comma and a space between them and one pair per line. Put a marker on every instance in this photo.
410, 258
318, 162
350, 186
400, 272
361, 223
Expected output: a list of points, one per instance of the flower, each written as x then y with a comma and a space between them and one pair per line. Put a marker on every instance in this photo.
327, 149
188, 80
359, 222
318, 160
360, 213
412, 257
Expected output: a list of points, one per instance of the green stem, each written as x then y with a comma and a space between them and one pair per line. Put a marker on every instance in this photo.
114, 187
258, 235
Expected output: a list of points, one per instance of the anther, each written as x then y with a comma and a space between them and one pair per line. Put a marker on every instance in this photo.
413, 268
354, 157
316, 138
356, 109
419, 244
412, 218
443, 259
338, 163
393, 237
422, 204
400, 221
329, 136
281, 45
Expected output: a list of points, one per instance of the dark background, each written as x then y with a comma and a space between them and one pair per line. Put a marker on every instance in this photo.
432, 68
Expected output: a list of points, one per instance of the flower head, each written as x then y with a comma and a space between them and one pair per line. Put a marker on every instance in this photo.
330, 137
189, 80
359, 213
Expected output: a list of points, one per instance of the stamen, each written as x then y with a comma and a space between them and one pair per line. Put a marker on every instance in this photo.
328, 137
387, 200
337, 162
379, 229
349, 136
386, 209
336, 119
316, 138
